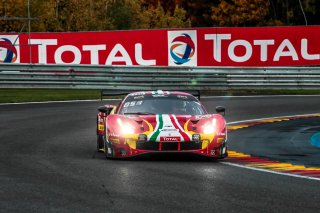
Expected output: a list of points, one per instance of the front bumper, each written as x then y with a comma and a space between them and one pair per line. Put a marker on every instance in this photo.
213, 150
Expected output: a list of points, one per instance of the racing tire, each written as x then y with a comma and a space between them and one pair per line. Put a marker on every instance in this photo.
222, 156
100, 143
109, 150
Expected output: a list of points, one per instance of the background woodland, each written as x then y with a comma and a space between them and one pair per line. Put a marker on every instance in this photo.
102, 15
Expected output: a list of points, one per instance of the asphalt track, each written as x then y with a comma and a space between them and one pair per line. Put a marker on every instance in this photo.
49, 163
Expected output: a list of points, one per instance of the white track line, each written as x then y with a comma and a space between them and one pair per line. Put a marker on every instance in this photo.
270, 171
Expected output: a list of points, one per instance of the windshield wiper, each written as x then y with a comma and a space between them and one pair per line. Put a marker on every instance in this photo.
138, 113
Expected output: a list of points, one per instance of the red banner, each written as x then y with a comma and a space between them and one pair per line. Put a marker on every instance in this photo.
261, 47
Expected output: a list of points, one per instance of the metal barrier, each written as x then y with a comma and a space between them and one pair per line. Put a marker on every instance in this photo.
145, 78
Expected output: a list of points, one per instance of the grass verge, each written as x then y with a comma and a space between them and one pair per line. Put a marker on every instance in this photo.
35, 95
262, 92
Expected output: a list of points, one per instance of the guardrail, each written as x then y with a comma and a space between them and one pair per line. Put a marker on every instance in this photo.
145, 78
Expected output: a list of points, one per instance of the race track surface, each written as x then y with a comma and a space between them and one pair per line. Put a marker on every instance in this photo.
49, 163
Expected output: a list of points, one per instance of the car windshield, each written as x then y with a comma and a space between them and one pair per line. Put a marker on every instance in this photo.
161, 104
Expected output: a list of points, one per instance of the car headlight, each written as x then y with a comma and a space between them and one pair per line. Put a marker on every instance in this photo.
210, 127
126, 128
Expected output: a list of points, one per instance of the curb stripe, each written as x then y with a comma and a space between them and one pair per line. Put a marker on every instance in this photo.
243, 160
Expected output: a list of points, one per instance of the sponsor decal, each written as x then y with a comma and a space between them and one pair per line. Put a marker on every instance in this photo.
9, 50
112, 134
100, 127
258, 47
182, 48
198, 117
169, 130
213, 152
286, 49
119, 54
169, 139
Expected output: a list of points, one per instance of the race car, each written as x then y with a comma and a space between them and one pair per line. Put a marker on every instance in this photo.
160, 121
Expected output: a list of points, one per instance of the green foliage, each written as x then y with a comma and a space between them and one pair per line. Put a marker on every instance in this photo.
90, 15
240, 13
199, 11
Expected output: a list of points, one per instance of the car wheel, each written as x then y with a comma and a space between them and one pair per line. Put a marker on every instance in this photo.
109, 150
100, 143
223, 151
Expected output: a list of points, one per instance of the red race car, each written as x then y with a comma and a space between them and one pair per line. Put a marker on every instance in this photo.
160, 121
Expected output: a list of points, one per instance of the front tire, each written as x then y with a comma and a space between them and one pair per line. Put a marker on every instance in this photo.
109, 150
100, 143
223, 151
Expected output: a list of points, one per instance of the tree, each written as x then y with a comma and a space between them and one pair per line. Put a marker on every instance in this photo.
13, 9
99, 15
199, 11
290, 12
157, 17
240, 13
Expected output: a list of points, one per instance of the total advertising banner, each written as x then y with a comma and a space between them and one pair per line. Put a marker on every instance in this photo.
259, 47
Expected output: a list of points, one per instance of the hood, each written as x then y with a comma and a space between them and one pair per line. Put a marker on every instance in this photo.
169, 128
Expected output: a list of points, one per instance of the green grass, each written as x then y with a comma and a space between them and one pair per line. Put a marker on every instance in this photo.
32, 95
262, 92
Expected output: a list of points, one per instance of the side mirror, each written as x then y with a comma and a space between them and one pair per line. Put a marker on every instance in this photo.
221, 110
106, 109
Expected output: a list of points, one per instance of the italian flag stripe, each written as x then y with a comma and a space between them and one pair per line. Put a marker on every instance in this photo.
157, 132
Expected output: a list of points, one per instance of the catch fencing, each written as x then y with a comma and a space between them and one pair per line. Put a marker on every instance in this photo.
152, 78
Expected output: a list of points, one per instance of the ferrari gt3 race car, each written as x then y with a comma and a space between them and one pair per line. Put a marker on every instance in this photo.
160, 121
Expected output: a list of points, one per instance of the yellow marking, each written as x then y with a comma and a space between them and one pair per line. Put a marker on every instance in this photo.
276, 166
114, 140
113, 110
290, 168
150, 128
185, 127
272, 120
208, 138
205, 144
236, 154
237, 127
100, 127
312, 169
131, 139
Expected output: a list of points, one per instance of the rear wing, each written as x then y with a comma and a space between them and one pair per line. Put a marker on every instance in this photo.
116, 92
